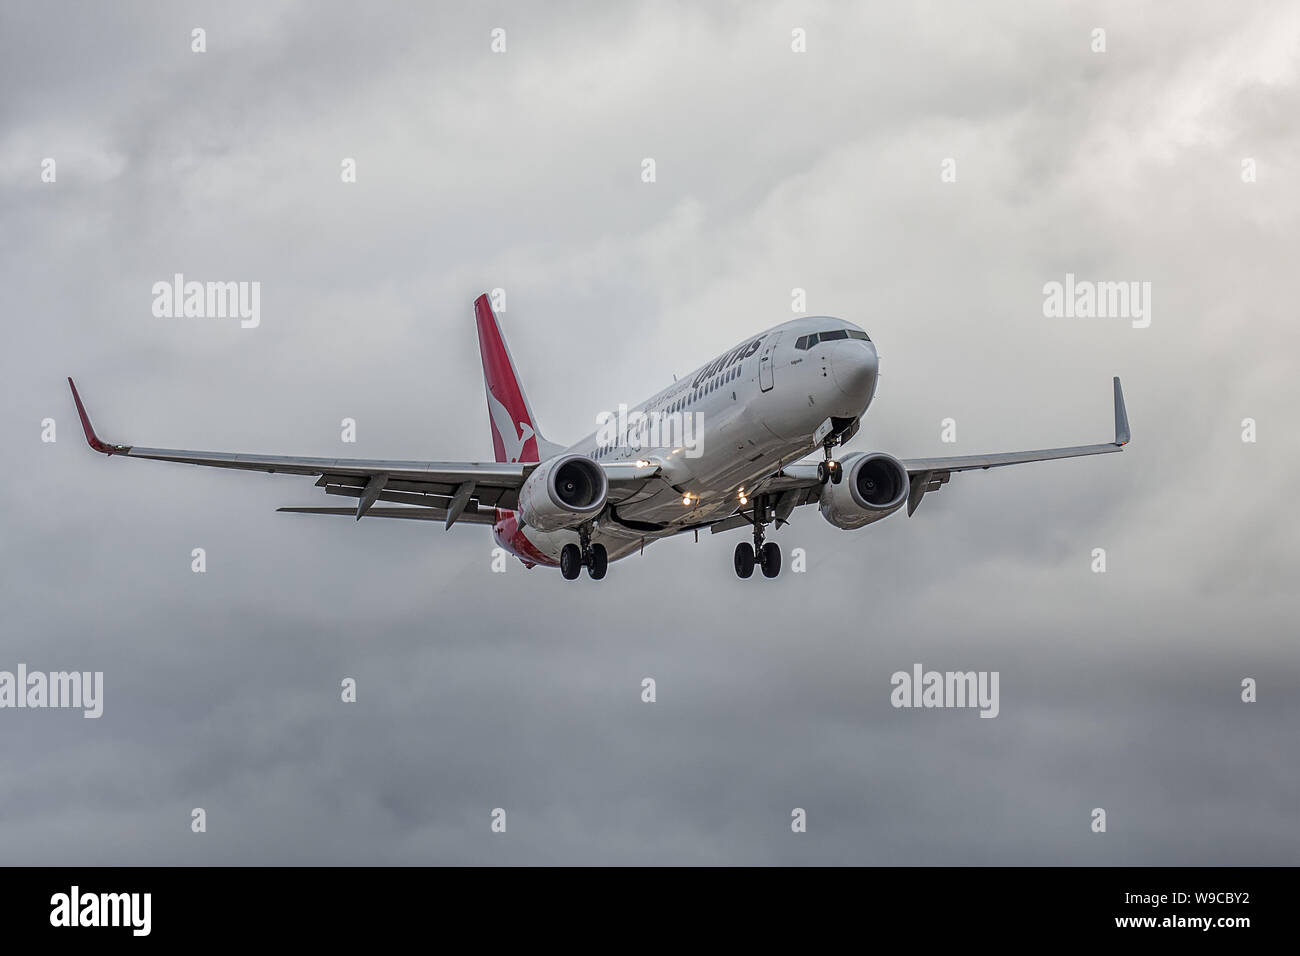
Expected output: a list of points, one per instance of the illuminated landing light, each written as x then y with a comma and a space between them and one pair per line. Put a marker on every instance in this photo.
642, 463
686, 499
744, 500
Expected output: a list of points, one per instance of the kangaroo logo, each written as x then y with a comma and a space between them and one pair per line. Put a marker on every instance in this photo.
513, 439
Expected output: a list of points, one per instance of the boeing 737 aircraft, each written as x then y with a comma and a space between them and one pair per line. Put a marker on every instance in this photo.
719, 449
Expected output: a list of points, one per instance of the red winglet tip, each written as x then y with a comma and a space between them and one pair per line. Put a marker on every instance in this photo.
91, 438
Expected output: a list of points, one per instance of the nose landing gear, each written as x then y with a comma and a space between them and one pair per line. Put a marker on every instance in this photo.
830, 469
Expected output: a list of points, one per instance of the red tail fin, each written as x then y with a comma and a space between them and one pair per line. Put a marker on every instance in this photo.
515, 435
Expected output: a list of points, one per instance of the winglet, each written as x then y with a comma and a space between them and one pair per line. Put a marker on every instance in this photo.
1121, 416
91, 438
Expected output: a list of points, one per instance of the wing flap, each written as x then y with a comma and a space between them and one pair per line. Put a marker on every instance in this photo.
417, 514
508, 475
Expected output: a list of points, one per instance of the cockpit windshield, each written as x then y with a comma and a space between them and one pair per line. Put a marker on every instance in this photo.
805, 342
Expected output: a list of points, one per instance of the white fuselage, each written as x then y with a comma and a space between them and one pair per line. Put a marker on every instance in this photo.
759, 407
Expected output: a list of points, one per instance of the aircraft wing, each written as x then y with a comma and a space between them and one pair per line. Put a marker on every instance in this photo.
798, 484
930, 474
459, 490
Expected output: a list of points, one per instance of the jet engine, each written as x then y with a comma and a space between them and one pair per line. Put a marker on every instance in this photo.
874, 486
562, 493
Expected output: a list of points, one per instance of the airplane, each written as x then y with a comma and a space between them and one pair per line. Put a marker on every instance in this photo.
766, 408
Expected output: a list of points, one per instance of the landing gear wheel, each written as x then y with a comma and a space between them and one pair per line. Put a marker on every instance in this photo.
771, 559
570, 561
836, 471
599, 562
823, 471
744, 559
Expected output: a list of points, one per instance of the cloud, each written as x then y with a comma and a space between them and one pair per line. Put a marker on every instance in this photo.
775, 170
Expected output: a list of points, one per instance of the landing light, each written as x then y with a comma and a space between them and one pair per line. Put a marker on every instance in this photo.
642, 463
686, 499
744, 500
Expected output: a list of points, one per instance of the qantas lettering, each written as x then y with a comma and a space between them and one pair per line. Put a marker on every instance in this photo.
731, 358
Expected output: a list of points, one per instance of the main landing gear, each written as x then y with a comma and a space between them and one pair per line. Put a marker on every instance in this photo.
594, 557
766, 556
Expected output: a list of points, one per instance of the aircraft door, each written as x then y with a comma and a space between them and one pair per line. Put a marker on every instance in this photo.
765, 361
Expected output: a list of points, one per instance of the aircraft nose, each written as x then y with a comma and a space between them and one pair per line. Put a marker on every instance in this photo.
855, 364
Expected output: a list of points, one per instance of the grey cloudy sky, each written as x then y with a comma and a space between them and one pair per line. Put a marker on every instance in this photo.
775, 170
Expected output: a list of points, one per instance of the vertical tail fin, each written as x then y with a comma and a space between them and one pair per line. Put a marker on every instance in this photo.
515, 435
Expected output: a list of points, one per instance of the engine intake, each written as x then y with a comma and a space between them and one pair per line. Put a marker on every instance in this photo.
875, 485
562, 493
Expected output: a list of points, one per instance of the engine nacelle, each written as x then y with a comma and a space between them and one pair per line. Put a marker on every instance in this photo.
563, 493
874, 486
